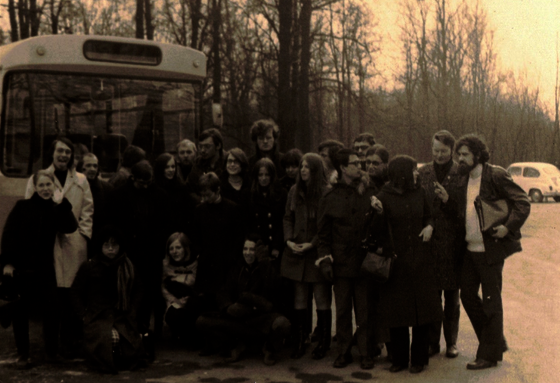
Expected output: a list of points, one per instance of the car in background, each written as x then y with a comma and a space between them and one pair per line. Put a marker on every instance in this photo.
539, 180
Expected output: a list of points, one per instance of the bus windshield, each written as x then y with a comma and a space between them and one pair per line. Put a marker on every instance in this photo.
101, 114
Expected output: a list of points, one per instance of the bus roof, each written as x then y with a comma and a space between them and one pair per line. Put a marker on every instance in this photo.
65, 53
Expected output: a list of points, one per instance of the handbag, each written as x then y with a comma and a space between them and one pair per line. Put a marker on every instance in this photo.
378, 266
491, 213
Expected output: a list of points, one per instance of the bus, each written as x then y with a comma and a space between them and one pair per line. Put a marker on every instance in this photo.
103, 93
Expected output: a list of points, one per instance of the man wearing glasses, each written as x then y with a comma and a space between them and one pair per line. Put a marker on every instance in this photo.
210, 159
341, 221
377, 158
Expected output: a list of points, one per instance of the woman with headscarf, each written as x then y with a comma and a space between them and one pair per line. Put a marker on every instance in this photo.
106, 296
300, 255
410, 296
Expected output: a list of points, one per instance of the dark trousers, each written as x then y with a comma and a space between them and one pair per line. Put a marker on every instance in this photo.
451, 314
401, 346
37, 291
486, 314
181, 321
351, 293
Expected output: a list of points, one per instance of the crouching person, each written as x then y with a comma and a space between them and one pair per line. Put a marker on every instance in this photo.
179, 275
106, 295
248, 315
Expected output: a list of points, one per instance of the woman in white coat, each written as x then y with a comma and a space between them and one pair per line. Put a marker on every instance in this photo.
70, 250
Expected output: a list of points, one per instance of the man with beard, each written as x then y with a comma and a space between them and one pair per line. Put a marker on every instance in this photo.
486, 251
440, 182
377, 158
100, 191
186, 154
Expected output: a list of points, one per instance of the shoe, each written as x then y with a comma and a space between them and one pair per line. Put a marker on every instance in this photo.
433, 350
452, 352
343, 360
416, 369
23, 363
236, 353
396, 368
269, 358
366, 363
481, 364
323, 329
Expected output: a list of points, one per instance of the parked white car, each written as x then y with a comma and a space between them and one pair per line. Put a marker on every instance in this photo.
539, 180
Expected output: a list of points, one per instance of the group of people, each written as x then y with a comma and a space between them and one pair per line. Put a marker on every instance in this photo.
229, 251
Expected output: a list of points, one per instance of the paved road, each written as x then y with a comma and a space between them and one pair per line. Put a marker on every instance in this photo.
532, 326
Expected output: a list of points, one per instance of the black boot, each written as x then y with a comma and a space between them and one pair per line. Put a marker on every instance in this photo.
324, 322
301, 335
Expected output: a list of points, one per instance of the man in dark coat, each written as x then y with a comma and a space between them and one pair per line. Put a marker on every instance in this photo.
248, 306
140, 210
486, 251
186, 157
217, 238
440, 181
100, 191
341, 220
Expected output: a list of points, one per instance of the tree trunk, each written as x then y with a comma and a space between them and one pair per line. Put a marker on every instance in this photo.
285, 110
217, 67
13, 21
148, 17
303, 126
139, 19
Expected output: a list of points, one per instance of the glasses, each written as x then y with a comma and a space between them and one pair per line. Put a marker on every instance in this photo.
361, 147
355, 163
232, 162
374, 163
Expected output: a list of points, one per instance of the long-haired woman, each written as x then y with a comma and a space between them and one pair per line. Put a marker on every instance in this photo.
410, 296
298, 261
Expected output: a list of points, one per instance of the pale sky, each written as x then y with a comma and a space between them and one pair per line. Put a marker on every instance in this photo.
524, 38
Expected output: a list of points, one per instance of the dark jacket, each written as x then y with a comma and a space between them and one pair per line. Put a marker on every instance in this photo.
30, 232
217, 239
266, 217
341, 227
101, 193
142, 215
445, 244
410, 296
497, 184
300, 226
95, 296
256, 291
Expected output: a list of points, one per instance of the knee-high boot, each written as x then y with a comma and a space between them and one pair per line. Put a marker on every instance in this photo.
324, 323
300, 317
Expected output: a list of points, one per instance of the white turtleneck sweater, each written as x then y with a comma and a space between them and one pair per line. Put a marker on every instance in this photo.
473, 237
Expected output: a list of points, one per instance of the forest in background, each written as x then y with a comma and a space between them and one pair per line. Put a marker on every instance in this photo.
313, 67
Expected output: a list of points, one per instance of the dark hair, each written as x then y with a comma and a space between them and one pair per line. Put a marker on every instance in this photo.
400, 171
132, 155
365, 137
209, 181
184, 241
216, 138
340, 158
312, 189
380, 151
240, 156
159, 167
329, 144
271, 168
108, 232
68, 143
476, 146
445, 138
291, 158
142, 170
261, 127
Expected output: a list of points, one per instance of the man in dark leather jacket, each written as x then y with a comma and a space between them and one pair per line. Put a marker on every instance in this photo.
486, 250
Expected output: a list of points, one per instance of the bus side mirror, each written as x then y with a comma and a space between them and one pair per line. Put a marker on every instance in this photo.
217, 116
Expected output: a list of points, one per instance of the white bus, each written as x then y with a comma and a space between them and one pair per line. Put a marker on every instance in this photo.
101, 92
